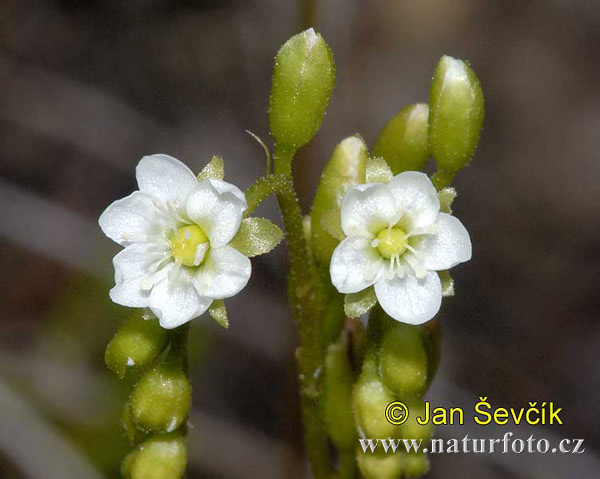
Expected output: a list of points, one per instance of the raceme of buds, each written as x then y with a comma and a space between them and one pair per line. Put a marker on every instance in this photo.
414, 464
346, 168
403, 142
137, 342
160, 457
403, 360
303, 81
370, 399
379, 466
161, 399
455, 114
411, 429
338, 394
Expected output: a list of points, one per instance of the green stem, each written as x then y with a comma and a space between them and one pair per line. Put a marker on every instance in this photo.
308, 300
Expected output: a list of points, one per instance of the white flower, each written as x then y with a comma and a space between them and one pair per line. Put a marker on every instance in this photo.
397, 240
176, 231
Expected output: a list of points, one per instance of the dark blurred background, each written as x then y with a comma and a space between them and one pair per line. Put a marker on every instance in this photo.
89, 87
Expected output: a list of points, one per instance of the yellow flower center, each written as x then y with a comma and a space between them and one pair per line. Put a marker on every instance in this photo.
184, 245
392, 242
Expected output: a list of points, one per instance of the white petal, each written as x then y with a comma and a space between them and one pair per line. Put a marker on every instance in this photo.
447, 247
416, 197
367, 209
224, 274
217, 207
165, 178
132, 219
355, 265
175, 300
133, 265
410, 300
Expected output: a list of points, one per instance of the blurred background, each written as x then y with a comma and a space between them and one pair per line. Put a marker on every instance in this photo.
89, 87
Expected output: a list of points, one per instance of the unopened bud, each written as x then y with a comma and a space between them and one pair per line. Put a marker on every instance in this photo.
160, 457
346, 168
403, 142
370, 399
378, 465
303, 80
411, 429
414, 464
455, 114
403, 360
161, 400
137, 342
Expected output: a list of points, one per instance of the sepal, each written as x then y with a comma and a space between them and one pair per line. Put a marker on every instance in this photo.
256, 236
215, 170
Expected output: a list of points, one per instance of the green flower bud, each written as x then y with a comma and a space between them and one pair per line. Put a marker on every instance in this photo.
370, 399
346, 168
455, 114
137, 342
161, 400
411, 429
414, 464
338, 396
403, 142
379, 466
303, 80
403, 360
160, 457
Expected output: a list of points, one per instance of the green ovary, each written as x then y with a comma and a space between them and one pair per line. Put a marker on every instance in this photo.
185, 242
392, 242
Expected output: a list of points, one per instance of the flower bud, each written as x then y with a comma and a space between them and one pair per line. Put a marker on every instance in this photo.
137, 342
370, 399
455, 114
379, 466
403, 142
338, 395
303, 80
346, 168
160, 457
161, 400
411, 429
414, 464
403, 360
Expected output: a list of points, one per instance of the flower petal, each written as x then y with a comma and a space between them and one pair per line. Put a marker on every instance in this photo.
367, 209
175, 301
165, 178
217, 207
132, 219
416, 197
447, 247
355, 265
410, 300
132, 265
224, 274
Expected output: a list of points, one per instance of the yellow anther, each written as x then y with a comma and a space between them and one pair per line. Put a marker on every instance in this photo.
185, 242
391, 242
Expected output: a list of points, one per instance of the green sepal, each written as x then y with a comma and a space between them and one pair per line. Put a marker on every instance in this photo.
403, 142
446, 196
357, 304
303, 80
338, 395
456, 114
137, 343
159, 457
215, 170
447, 283
218, 312
378, 171
256, 236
